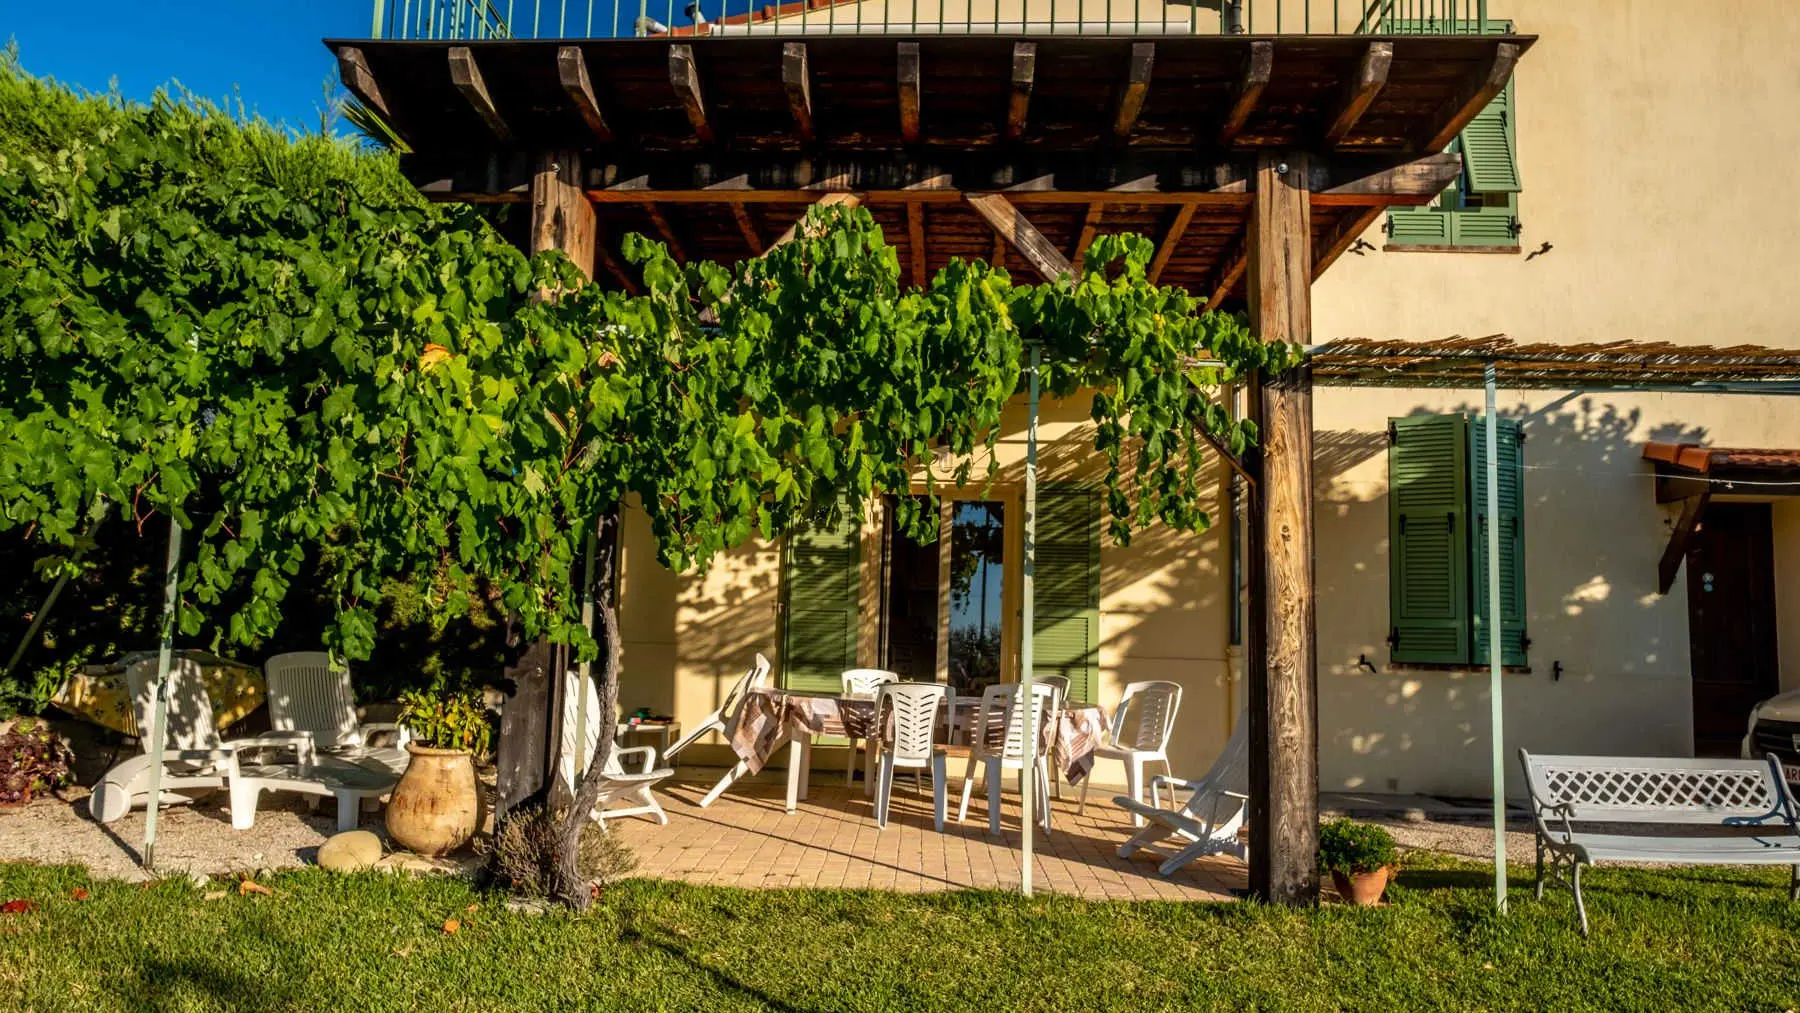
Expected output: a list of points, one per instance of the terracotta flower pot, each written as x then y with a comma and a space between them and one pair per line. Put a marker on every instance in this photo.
436, 807
1364, 889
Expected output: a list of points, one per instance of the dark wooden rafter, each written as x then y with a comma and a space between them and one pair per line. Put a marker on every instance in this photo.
353, 69
1259, 68
1681, 539
666, 232
1171, 239
747, 226
1359, 92
1231, 271
1354, 225
908, 79
684, 76
915, 240
796, 79
1024, 76
1016, 230
572, 72
1471, 98
1136, 88
465, 74
1090, 227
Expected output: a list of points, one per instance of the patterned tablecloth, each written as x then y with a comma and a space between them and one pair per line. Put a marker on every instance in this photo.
99, 693
771, 718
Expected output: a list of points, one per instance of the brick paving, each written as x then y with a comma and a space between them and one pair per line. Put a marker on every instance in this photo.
746, 839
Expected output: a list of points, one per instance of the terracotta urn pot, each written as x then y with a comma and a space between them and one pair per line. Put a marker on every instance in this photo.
436, 807
1364, 889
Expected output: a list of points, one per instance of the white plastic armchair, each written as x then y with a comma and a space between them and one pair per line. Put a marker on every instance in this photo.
1139, 735
909, 713
997, 743
194, 755
1059, 698
618, 784
862, 684
307, 693
1208, 823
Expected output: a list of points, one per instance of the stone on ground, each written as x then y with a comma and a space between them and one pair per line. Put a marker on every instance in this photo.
350, 851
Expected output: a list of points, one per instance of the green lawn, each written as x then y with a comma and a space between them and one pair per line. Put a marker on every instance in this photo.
1685, 940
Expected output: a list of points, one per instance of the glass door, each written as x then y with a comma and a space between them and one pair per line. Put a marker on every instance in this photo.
976, 589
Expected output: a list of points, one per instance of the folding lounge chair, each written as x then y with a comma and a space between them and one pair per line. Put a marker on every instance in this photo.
720, 720
1208, 823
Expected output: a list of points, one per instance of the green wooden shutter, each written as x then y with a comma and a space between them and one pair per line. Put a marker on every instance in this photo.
1488, 145
1066, 619
1421, 226
1428, 540
1509, 438
822, 582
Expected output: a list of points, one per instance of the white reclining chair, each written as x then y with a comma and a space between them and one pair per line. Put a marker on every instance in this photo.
309, 694
194, 755
1208, 823
997, 743
632, 787
720, 720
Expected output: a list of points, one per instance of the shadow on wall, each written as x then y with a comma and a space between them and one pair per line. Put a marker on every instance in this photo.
1593, 536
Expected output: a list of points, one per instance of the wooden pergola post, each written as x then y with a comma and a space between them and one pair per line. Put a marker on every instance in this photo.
1282, 657
526, 757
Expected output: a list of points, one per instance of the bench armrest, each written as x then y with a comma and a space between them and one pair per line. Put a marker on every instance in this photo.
1562, 810
300, 742
1169, 781
649, 753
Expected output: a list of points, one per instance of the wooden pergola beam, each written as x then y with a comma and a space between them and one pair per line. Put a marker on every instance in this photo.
1231, 271
1259, 67
1170, 240
465, 74
796, 78
915, 240
848, 200
1360, 91
1137, 87
1681, 539
908, 77
1011, 225
353, 69
1090, 227
684, 76
572, 72
1024, 76
1472, 97
667, 232
1414, 182
746, 227
1282, 660
1346, 234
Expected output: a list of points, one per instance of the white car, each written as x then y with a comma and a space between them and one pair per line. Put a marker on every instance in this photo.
1775, 728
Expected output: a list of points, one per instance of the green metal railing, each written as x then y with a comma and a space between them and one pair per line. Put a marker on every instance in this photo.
599, 19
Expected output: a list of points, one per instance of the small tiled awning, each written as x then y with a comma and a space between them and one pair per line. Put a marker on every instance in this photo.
1691, 474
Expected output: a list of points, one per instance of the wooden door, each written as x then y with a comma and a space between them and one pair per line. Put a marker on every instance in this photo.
1731, 622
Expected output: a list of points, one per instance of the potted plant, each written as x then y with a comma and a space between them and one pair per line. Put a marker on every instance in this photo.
436, 807
33, 760
1360, 857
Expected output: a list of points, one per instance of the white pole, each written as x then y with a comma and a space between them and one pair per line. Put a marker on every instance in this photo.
1497, 719
587, 667
159, 694
1026, 603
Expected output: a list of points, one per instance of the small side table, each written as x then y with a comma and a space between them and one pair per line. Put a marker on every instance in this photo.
668, 731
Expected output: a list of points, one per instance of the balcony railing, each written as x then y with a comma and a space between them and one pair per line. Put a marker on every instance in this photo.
462, 20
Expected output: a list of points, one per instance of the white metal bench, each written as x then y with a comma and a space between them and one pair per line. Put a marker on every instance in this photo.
1673, 803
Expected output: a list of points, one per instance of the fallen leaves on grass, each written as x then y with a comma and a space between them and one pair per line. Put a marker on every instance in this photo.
215, 895
452, 926
250, 886
18, 907
79, 893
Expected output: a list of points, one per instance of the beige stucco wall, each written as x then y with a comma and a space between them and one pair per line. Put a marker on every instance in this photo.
1164, 611
1633, 121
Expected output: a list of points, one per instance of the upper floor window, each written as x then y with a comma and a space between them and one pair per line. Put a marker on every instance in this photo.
1481, 210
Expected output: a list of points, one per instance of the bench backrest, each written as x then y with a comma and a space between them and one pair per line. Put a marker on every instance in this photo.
1638, 789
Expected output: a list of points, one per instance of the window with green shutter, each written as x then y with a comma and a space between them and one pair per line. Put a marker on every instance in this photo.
821, 582
1481, 210
1066, 585
1438, 551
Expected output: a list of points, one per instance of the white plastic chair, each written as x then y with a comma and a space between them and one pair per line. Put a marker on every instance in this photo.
720, 721
1059, 699
307, 693
194, 755
997, 743
1208, 823
907, 712
862, 684
1139, 735
633, 787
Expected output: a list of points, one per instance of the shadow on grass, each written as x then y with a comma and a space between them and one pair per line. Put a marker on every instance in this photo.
722, 978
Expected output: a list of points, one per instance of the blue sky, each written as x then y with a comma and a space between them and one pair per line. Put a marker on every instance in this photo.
266, 51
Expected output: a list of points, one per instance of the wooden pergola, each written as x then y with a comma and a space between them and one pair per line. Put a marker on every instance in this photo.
1253, 163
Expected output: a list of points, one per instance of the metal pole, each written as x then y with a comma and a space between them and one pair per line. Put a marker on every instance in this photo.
1026, 603
159, 694
1497, 718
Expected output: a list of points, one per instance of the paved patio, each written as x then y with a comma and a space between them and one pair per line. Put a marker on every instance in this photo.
746, 839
